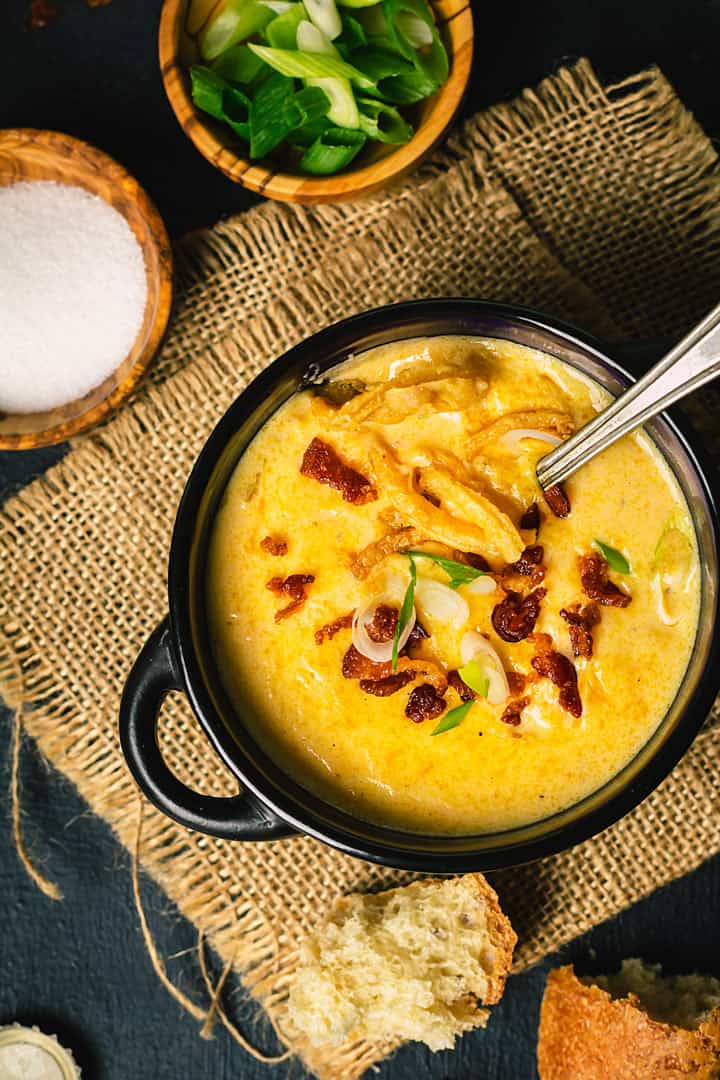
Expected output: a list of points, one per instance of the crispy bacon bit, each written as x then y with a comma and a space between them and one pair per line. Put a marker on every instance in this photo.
561, 671
464, 692
543, 643
328, 632
557, 499
387, 686
512, 712
357, 666
580, 619
595, 584
528, 565
417, 634
320, 462
514, 617
382, 626
470, 558
274, 545
294, 587
531, 518
516, 682
424, 703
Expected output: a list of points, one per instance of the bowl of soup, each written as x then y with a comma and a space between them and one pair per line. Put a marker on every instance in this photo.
392, 637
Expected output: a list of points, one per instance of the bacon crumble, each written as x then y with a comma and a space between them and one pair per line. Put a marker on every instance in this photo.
557, 499
387, 686
328, 632
581, 618
424, 703
516, 682
463, 691
595, 583
513, 710
381, 627
471, 558
320, 462
515, 616
530, 564
531, 518
292, 586
561, 671
274, 545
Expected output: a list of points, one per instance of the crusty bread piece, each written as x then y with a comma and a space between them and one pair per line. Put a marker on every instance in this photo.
602, 1029
408, 963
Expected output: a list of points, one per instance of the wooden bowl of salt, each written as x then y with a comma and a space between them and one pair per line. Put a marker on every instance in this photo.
85, 286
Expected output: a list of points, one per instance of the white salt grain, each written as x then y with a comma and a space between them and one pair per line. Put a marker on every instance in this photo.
72, 293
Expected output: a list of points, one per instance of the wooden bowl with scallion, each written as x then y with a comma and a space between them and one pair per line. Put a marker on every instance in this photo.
313, 101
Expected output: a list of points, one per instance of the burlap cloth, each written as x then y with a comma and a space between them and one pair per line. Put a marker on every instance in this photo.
598, 204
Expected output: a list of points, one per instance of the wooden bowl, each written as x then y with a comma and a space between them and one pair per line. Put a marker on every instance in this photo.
432, 117
27, 154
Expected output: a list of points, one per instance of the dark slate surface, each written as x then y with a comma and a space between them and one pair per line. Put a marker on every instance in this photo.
79, 967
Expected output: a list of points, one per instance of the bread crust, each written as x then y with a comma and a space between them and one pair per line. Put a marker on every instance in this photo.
587, 1035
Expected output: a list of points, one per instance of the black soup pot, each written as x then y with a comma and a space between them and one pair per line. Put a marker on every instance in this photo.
178, 656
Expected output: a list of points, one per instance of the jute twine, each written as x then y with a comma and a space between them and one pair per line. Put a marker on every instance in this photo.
598, 204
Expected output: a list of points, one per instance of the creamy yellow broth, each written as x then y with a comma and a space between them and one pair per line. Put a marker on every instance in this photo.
426, 406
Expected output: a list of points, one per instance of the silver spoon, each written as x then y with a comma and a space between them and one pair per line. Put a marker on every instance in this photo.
688, 366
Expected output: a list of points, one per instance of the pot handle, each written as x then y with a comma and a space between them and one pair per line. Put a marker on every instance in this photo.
236, 817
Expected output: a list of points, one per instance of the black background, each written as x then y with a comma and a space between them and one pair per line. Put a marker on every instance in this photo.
79, 967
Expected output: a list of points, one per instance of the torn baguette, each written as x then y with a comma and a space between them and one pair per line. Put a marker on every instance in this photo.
636, 1025
408, 963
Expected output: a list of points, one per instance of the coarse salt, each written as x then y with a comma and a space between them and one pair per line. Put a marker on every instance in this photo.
72, 293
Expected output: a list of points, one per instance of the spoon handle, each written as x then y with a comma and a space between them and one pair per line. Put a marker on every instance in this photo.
689, 365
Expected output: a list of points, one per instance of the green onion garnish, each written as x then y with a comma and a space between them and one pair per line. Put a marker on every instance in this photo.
215, 96
472, 675
452, 718
238, 65
615, 559
383, 122
332, 150
277, 111
282, 31
459, 573
403, 19
405, 612
237, 21
306, 65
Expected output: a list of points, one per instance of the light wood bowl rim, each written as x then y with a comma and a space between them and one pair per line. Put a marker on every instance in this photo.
107, 173
296, 187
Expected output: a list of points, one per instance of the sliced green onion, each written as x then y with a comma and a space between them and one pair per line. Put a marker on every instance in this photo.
357, 3
324, 14
383, 122
474, 677
311, 38
405, 613
414, 30
279, 7
614, 558
239, 65
343, 111
302, 65
277, 111
432, 60
237, 21
458, 572
212, 94
373, 20
453, 718
407, 89
281, 33
353, 34
207, 90
332, 151
378, 64
306, 134
268, 122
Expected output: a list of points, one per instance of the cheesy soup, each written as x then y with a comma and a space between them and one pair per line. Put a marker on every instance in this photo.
410, 628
